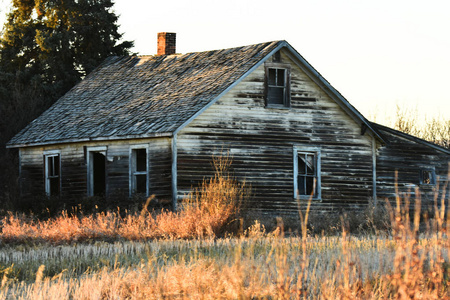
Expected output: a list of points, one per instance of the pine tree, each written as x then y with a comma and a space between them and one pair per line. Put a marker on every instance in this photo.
54, 43
46, 47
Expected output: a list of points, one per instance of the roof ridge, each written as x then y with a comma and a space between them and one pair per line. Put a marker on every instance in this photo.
212, 50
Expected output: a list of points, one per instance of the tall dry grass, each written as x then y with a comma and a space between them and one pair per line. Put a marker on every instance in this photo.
177, 255
210, 209
206, 212
406, 263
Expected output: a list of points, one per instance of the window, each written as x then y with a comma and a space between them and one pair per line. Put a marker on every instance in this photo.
307, 173
139, 170
427, 177
52, 167
96, 167
277, 85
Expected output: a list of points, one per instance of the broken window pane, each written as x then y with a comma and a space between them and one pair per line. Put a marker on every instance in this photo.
141, 184
141, 160
50, 166
310, 164
99, 173
139, 171
280, 77
427, 177
54, 186
52, 178
272, 76
56, 165
307, 177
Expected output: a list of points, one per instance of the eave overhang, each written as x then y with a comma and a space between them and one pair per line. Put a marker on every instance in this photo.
94, 139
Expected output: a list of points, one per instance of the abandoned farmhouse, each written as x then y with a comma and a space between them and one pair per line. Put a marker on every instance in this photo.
151, 125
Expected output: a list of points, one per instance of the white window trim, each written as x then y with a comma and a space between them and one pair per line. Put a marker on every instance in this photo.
51, 153
131, 181
317, 151
90, 173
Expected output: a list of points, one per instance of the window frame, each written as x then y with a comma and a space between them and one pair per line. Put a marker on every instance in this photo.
287, 85
133, 172
90, 167
432, 177
47, 180
317, 161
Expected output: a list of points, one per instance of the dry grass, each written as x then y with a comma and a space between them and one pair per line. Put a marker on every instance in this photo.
206, 212
402, 264
209, 209
177, 255
258, 266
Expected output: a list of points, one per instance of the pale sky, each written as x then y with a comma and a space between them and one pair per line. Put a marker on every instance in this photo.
377, 53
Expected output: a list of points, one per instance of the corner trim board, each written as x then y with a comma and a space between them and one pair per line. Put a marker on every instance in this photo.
174, 173
20, 172
374, 171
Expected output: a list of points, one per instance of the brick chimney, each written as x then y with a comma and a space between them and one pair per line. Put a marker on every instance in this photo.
166, 43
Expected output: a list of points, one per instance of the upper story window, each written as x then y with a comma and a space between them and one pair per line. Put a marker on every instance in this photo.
277, 82
52, 165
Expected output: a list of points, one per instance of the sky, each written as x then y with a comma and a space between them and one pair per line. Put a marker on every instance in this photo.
377, 54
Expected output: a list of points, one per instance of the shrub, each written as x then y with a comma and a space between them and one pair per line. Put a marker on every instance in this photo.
209, 210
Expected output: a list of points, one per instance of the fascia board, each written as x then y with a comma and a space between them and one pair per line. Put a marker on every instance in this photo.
96, 139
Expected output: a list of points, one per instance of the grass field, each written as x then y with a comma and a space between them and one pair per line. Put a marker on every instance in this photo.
399, 264
188, 255
230, 268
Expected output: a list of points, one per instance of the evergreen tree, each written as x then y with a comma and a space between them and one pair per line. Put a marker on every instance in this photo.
46, 47
54, 43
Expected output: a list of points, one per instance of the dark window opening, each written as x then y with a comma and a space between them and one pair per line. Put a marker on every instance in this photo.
307, 174
99, 173
277, 87
141, 184
141, 160
427, 177
139, 171
53, 182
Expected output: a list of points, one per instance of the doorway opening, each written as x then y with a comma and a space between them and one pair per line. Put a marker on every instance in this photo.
97, 172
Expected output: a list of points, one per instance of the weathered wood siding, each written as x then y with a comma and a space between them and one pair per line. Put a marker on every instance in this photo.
407, 158
74, 168
261, 141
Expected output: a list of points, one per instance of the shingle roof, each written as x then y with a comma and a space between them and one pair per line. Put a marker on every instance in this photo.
382, 129
129, 97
